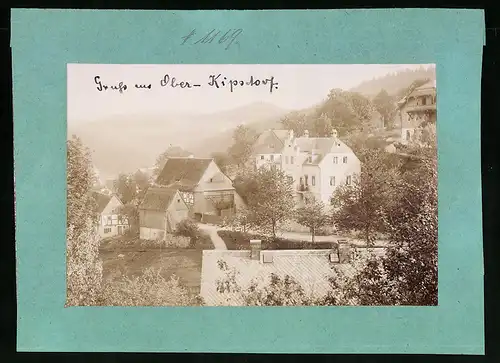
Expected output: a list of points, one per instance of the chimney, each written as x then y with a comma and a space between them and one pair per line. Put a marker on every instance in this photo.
255, 247
306, 133
344, 251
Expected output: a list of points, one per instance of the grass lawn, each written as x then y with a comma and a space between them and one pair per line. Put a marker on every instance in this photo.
241, 241
134, 243
184, 263
130, 256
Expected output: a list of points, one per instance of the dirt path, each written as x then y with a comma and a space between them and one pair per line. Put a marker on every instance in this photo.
218, 242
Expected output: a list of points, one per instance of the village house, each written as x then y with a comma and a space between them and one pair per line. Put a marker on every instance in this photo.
317, 165
110, 221
416, 110
206, 190
310, 268
160, 211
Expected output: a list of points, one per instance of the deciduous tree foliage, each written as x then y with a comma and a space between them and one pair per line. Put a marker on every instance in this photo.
83, 266
269, 198
148, 289
312, 215
385, 105
408, 274
244, 138
360, 206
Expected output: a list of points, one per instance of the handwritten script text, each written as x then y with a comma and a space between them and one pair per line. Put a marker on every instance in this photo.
213, 81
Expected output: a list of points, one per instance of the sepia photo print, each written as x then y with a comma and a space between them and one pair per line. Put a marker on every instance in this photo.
252, 185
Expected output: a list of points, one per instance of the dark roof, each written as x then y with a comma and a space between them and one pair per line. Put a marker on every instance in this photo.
185, 173
101, 200
158, 198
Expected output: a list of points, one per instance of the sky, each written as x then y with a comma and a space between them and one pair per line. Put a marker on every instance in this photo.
297, 86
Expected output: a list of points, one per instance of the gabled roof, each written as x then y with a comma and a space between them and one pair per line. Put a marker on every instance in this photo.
426, 88
271, 142
183, 172
310, 268
158, 198
321, 146
102, 200
428, 85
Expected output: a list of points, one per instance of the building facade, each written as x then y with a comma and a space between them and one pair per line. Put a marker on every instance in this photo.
206, 190
315, 165
110, 222
159, 212
416, 110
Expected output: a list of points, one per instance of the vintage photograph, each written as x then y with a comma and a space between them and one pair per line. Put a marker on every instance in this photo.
251, 185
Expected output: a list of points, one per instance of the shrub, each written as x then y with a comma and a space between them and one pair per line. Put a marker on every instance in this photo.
148, 289
187, 228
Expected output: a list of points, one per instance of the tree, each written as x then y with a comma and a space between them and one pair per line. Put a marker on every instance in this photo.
126, 188
244, 138
298, 122
360, 206
384, 104
322, 126
142, 183
312, 215
172, 151
360, 106
131, 212
408, 273
223, 161
269, 198
83, 266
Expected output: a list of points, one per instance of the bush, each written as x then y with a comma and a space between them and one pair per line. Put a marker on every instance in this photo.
148, 289
187, 228
236, 240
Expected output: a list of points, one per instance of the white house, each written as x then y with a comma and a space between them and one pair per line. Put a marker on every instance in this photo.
110, 221
317, 165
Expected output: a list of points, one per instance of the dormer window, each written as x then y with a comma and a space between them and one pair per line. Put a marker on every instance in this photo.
344, 159
335, 160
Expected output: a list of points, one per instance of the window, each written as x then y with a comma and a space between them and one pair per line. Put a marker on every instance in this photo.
348, 180
291, 159
301, 181
107, 230
286, 159
110, 221
424, 101
272, 157
313, 180
290, 179
332, 180
344, 159
262, 157
408, 135
335, 160
306, 179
